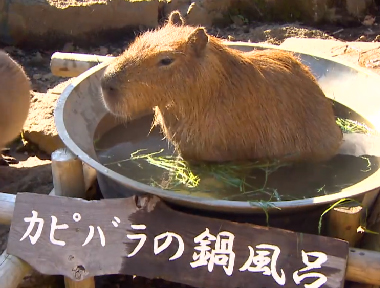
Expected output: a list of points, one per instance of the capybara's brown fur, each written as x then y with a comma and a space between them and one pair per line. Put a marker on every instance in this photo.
14, 98
218, 104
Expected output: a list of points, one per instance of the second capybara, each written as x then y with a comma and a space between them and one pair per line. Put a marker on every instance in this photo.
14, 99
218, 104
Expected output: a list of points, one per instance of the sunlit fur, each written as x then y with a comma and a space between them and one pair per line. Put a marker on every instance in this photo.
218, 104
14, 98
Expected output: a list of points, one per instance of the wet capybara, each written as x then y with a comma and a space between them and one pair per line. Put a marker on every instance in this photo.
14, 99
218, 104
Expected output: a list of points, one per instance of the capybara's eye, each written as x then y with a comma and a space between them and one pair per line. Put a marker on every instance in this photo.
166, 61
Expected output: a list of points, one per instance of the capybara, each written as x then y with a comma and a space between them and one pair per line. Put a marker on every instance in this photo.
217, 104
14, 99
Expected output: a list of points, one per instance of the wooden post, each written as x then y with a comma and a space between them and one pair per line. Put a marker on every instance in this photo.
372, 241
343, 221
86, 283
7, 204
69, 181
12, 270
73, 64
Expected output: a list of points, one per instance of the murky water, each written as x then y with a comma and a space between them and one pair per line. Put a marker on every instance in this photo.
274, 183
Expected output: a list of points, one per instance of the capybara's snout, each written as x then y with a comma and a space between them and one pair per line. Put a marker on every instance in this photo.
109, 86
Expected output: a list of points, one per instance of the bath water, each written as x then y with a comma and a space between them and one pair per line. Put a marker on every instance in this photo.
284, 183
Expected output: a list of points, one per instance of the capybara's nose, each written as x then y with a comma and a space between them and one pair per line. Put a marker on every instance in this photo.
108, 87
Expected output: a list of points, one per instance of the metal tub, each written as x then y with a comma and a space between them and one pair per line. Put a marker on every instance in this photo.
80, 114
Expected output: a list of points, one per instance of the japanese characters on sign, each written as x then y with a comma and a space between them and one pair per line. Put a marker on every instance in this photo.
262, 259
117, 236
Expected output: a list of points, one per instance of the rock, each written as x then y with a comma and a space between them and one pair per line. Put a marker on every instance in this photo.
10, 49
48, 77
40, 127
103, 51
43, 22
68, 47
37, 60
38, 57
368, 20
238, 20
37, 76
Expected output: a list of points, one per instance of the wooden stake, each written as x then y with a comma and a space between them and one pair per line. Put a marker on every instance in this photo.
73, 64
12, 270
86, 283
67, 174
7, 204
344, 221
69, 181
372, 241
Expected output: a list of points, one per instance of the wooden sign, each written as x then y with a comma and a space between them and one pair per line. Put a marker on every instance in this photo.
142, 236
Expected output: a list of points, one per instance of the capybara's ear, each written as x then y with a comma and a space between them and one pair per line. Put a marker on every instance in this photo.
198, 40
175, 18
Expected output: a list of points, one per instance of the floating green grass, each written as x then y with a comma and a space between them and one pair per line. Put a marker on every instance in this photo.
183, 174
351, 126
231, 174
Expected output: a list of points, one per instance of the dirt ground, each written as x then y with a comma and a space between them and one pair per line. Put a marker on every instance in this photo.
32, 173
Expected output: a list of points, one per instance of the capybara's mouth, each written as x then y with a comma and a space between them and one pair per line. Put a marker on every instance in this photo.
111, 106
119, 109
116, 111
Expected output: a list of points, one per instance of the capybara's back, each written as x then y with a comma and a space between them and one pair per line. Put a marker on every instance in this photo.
218, 104
14, 98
